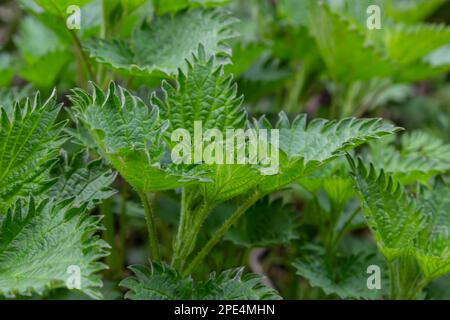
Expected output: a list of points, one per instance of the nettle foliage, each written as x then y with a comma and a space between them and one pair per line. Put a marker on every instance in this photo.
411, 231
45, 226
153, 67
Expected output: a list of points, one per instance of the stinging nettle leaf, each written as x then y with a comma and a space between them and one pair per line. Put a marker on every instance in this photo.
129, 135
160, 48
30, 139
307, 146
204, 93
162, 282
346, 278
40, 243
420, 157
403, 225
393, 218
85, 182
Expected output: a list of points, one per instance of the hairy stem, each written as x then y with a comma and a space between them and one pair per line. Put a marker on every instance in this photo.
151, 226
191, 222
221, 232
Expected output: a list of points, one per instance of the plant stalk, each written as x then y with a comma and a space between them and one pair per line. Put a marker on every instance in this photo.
151, 226
221, 232
82, 54
190, 225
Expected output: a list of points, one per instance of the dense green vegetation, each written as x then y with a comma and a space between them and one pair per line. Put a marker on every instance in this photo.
355, 92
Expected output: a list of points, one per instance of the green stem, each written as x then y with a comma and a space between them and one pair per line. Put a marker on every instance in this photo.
189, 229
392, 281
221, 232
296, 89
181, 228
82, 54
151, 226
337, 237
123, 223
109, 235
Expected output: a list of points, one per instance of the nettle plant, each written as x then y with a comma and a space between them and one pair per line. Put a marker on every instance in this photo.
65, 165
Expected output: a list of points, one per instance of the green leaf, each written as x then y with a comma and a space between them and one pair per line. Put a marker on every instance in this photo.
44, 73
129, 135
161, 47
171, 6
394, 219
420, 157
295, 12
266, 224
433, 245
86, 183
203, 94
229, 181
233, 285
59, 7
344, 48
40, 243
346, 278
406, 44
29, 142
407, 226
43, 53
410, 11
7, 69
157, 282
162, 282
207, 95
307, 147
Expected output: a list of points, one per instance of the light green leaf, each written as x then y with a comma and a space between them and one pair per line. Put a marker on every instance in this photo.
43, 53
408, 43
160, 48
344, 48
306, 147
203, 94
420, 157
129, 135
410, 11
7, 69
59, 7
40, 243
172, 6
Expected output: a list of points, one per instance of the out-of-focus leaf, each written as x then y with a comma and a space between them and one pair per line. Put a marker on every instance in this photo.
346, 278
264, 225
172, 6
161, 48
